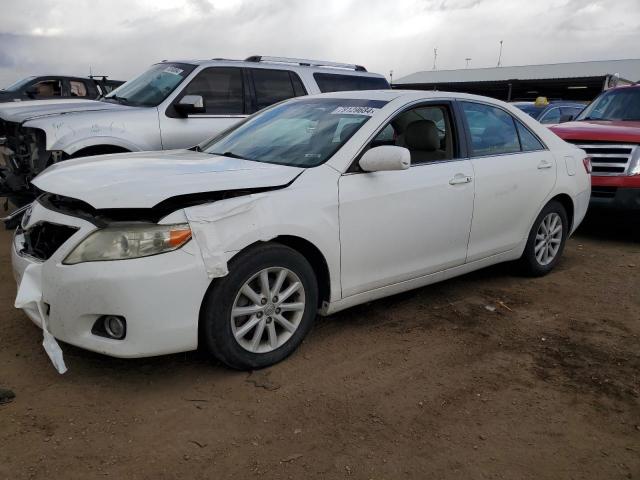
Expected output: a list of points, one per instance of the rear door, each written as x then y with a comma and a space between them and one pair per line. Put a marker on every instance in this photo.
514, 173
226, 100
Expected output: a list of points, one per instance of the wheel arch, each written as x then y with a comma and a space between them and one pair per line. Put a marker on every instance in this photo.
303, 246
317, 260
100, 149
566, 201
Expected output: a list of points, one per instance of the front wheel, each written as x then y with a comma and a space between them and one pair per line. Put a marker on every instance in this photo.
546, 240
261, 311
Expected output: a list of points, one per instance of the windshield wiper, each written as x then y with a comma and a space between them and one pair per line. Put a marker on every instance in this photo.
118, 99
232, 155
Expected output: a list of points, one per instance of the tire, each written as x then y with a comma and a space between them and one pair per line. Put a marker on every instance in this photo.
538, 257
225, 337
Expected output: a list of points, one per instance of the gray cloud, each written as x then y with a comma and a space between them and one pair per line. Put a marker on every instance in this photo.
122, 37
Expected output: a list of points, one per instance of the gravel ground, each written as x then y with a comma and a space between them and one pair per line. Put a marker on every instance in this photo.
490, 375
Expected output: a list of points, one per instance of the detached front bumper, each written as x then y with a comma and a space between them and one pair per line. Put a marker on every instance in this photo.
615, 192
159, 296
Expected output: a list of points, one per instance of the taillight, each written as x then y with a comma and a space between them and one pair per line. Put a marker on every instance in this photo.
586, 161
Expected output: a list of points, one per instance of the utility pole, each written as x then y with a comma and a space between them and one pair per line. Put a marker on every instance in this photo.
500, 55
467, 60
435, 58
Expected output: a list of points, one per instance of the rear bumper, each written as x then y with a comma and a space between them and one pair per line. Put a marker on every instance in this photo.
621, 193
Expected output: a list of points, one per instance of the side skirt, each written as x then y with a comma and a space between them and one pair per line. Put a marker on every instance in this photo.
414, 283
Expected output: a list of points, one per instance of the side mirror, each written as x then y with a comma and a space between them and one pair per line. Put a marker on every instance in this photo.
386, 157
190, 104
566, 118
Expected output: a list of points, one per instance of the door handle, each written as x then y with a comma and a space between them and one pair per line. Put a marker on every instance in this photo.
544, 164
459, 179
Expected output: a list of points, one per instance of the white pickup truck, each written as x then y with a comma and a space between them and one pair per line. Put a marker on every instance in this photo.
174, 104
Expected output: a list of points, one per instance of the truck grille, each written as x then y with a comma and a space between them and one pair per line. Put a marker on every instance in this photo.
43, 239
608, 158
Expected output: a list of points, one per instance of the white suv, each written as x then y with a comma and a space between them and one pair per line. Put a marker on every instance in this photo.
175, 104
315, 204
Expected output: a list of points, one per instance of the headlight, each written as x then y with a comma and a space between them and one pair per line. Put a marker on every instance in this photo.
130, 241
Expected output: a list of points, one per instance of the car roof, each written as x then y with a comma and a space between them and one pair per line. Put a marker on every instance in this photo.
316, 66
408, 95
57, 75
619, 87
551, 102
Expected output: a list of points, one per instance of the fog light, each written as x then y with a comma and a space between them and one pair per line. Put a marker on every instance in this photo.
114, 327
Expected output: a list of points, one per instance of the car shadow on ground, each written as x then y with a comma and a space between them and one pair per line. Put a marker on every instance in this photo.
610, 225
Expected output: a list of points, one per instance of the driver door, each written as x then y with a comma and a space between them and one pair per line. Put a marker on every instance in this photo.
400, 225
223, 90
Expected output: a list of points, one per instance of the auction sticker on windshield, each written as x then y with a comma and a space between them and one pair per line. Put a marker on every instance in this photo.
353, 110
173, 70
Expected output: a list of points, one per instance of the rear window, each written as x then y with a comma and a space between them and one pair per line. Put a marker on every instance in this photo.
331, 82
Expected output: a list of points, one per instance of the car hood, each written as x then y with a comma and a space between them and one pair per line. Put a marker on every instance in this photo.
599, 130
20, 112
143, 180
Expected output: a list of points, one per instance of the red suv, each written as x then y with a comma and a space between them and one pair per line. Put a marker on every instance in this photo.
609, 131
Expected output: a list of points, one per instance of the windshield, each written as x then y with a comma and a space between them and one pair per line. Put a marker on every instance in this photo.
301, 133
619, 104
19, 84
153, 86
530, 109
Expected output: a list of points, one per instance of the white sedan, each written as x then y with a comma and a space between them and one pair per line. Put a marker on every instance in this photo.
310, 206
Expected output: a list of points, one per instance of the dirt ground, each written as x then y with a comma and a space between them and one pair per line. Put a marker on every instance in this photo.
427, 384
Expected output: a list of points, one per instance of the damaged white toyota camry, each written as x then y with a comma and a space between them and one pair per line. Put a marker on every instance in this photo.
312, 205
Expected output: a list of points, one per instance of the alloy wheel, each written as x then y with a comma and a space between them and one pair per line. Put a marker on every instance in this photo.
548, 238
267, 310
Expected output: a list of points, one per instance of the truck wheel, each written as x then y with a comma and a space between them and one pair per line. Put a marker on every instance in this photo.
261, 311
546, 240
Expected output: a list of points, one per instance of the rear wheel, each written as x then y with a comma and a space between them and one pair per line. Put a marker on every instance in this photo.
261, 311
546, 240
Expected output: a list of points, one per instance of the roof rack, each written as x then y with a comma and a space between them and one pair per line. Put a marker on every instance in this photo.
305, 62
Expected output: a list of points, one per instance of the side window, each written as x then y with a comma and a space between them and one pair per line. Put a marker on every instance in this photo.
331, 82
387, 136
425, 131
47, 88
221, 88
574, 111
551, 116
272, 86
528, 140
493, 131
77, 88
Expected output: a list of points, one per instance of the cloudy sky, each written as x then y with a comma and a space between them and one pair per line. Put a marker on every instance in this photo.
122, 37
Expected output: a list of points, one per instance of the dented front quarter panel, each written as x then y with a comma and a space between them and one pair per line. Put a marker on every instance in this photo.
132, 128
223, 229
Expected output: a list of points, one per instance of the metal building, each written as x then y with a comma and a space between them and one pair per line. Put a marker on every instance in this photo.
566, 81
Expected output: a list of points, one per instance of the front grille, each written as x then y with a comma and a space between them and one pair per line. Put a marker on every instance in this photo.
603, 192
44, 238
608, 158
